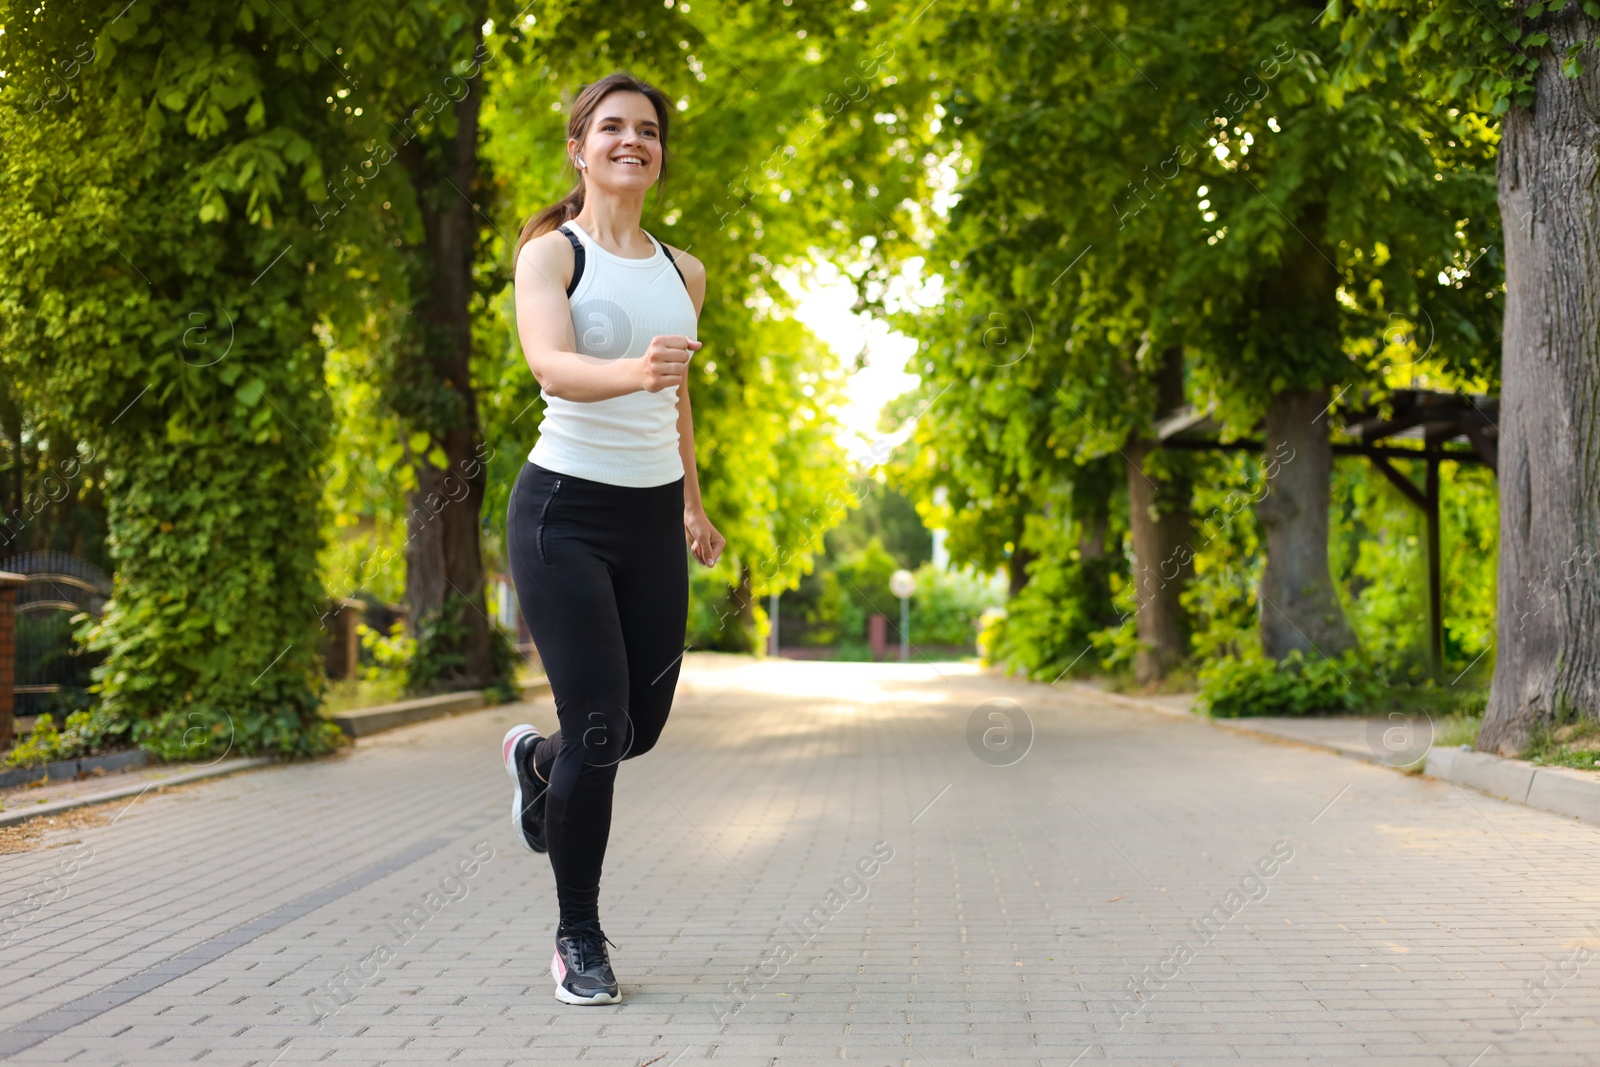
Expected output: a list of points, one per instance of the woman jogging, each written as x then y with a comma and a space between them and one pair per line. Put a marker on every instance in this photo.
595, 528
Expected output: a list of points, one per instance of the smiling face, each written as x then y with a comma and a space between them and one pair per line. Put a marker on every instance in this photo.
622, 148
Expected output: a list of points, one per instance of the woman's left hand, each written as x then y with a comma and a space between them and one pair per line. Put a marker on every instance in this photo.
704, 540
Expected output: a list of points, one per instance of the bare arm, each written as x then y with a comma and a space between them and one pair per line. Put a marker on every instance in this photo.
695, 281
544, 326
705, 541
691, 473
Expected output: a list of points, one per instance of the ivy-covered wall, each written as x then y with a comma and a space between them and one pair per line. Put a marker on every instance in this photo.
162, 294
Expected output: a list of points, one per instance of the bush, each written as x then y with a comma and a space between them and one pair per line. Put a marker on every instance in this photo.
390, 652
506, 659
208, 732
722, 617
824, 615
947, 605
427, 663
854, 588
436, 656
1252, 684
991, 627
1051, 626
85, 733
42, 745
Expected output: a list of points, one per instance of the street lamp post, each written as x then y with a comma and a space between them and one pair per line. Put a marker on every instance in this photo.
773, 612
903, 583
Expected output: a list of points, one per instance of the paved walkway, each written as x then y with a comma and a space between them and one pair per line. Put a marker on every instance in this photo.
822, 862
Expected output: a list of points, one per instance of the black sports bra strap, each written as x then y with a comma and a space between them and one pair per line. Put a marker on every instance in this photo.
577, 257
671, 260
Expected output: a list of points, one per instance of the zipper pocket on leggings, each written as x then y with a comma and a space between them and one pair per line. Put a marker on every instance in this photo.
544, 516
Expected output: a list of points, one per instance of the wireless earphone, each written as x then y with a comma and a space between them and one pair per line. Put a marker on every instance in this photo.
582, 164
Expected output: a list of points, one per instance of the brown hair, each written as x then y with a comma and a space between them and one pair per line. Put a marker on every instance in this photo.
578, 121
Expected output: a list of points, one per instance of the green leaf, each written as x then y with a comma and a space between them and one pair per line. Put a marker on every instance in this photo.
122, 29
251, 392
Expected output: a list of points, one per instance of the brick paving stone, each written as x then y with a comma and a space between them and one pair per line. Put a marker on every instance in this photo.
1018, 907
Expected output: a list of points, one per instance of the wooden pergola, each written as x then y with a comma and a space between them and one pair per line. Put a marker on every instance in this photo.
1441, 422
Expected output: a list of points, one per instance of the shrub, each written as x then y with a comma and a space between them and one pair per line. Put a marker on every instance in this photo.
990, 625
390, 652
506, 660
1252, 684
42, 745
1050, 626
427, 663
723, 617
947, 606
84, 734
852, 589
436, 654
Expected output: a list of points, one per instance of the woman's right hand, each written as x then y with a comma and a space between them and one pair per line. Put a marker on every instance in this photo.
666, 362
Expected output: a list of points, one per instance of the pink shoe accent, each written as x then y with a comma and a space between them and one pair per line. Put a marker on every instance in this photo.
515, 734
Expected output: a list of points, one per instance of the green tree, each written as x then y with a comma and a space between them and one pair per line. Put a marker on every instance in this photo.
161, 239
1532, 64
776, 108
1244, 210
891, 517
410, 206
1048, 359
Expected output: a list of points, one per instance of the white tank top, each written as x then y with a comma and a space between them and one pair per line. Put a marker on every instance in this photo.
618, 307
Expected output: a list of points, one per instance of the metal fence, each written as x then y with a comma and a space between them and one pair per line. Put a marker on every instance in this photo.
52, 672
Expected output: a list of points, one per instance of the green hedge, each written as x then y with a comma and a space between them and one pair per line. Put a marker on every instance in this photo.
1256, 685
162, 292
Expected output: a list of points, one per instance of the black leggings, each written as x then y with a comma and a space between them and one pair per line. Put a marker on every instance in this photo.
603, 579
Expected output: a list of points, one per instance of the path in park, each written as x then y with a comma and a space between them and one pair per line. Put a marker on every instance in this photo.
1009, 910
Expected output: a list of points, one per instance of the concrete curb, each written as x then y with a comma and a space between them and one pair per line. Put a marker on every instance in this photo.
1237, 726
365, 722
1555, 789
1564, 790
60, 770
226, 767
1488, 773
362, 723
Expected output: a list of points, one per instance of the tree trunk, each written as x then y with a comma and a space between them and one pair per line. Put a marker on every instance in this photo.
444, 562
1298, 608
738, 631
1158, 515
1547, 663
1098, 558
1017, 569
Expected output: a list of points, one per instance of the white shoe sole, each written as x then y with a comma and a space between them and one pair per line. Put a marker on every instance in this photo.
516, 780
567, 997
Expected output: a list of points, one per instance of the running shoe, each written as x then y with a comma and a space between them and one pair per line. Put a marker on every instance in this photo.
527, 804
581, 968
